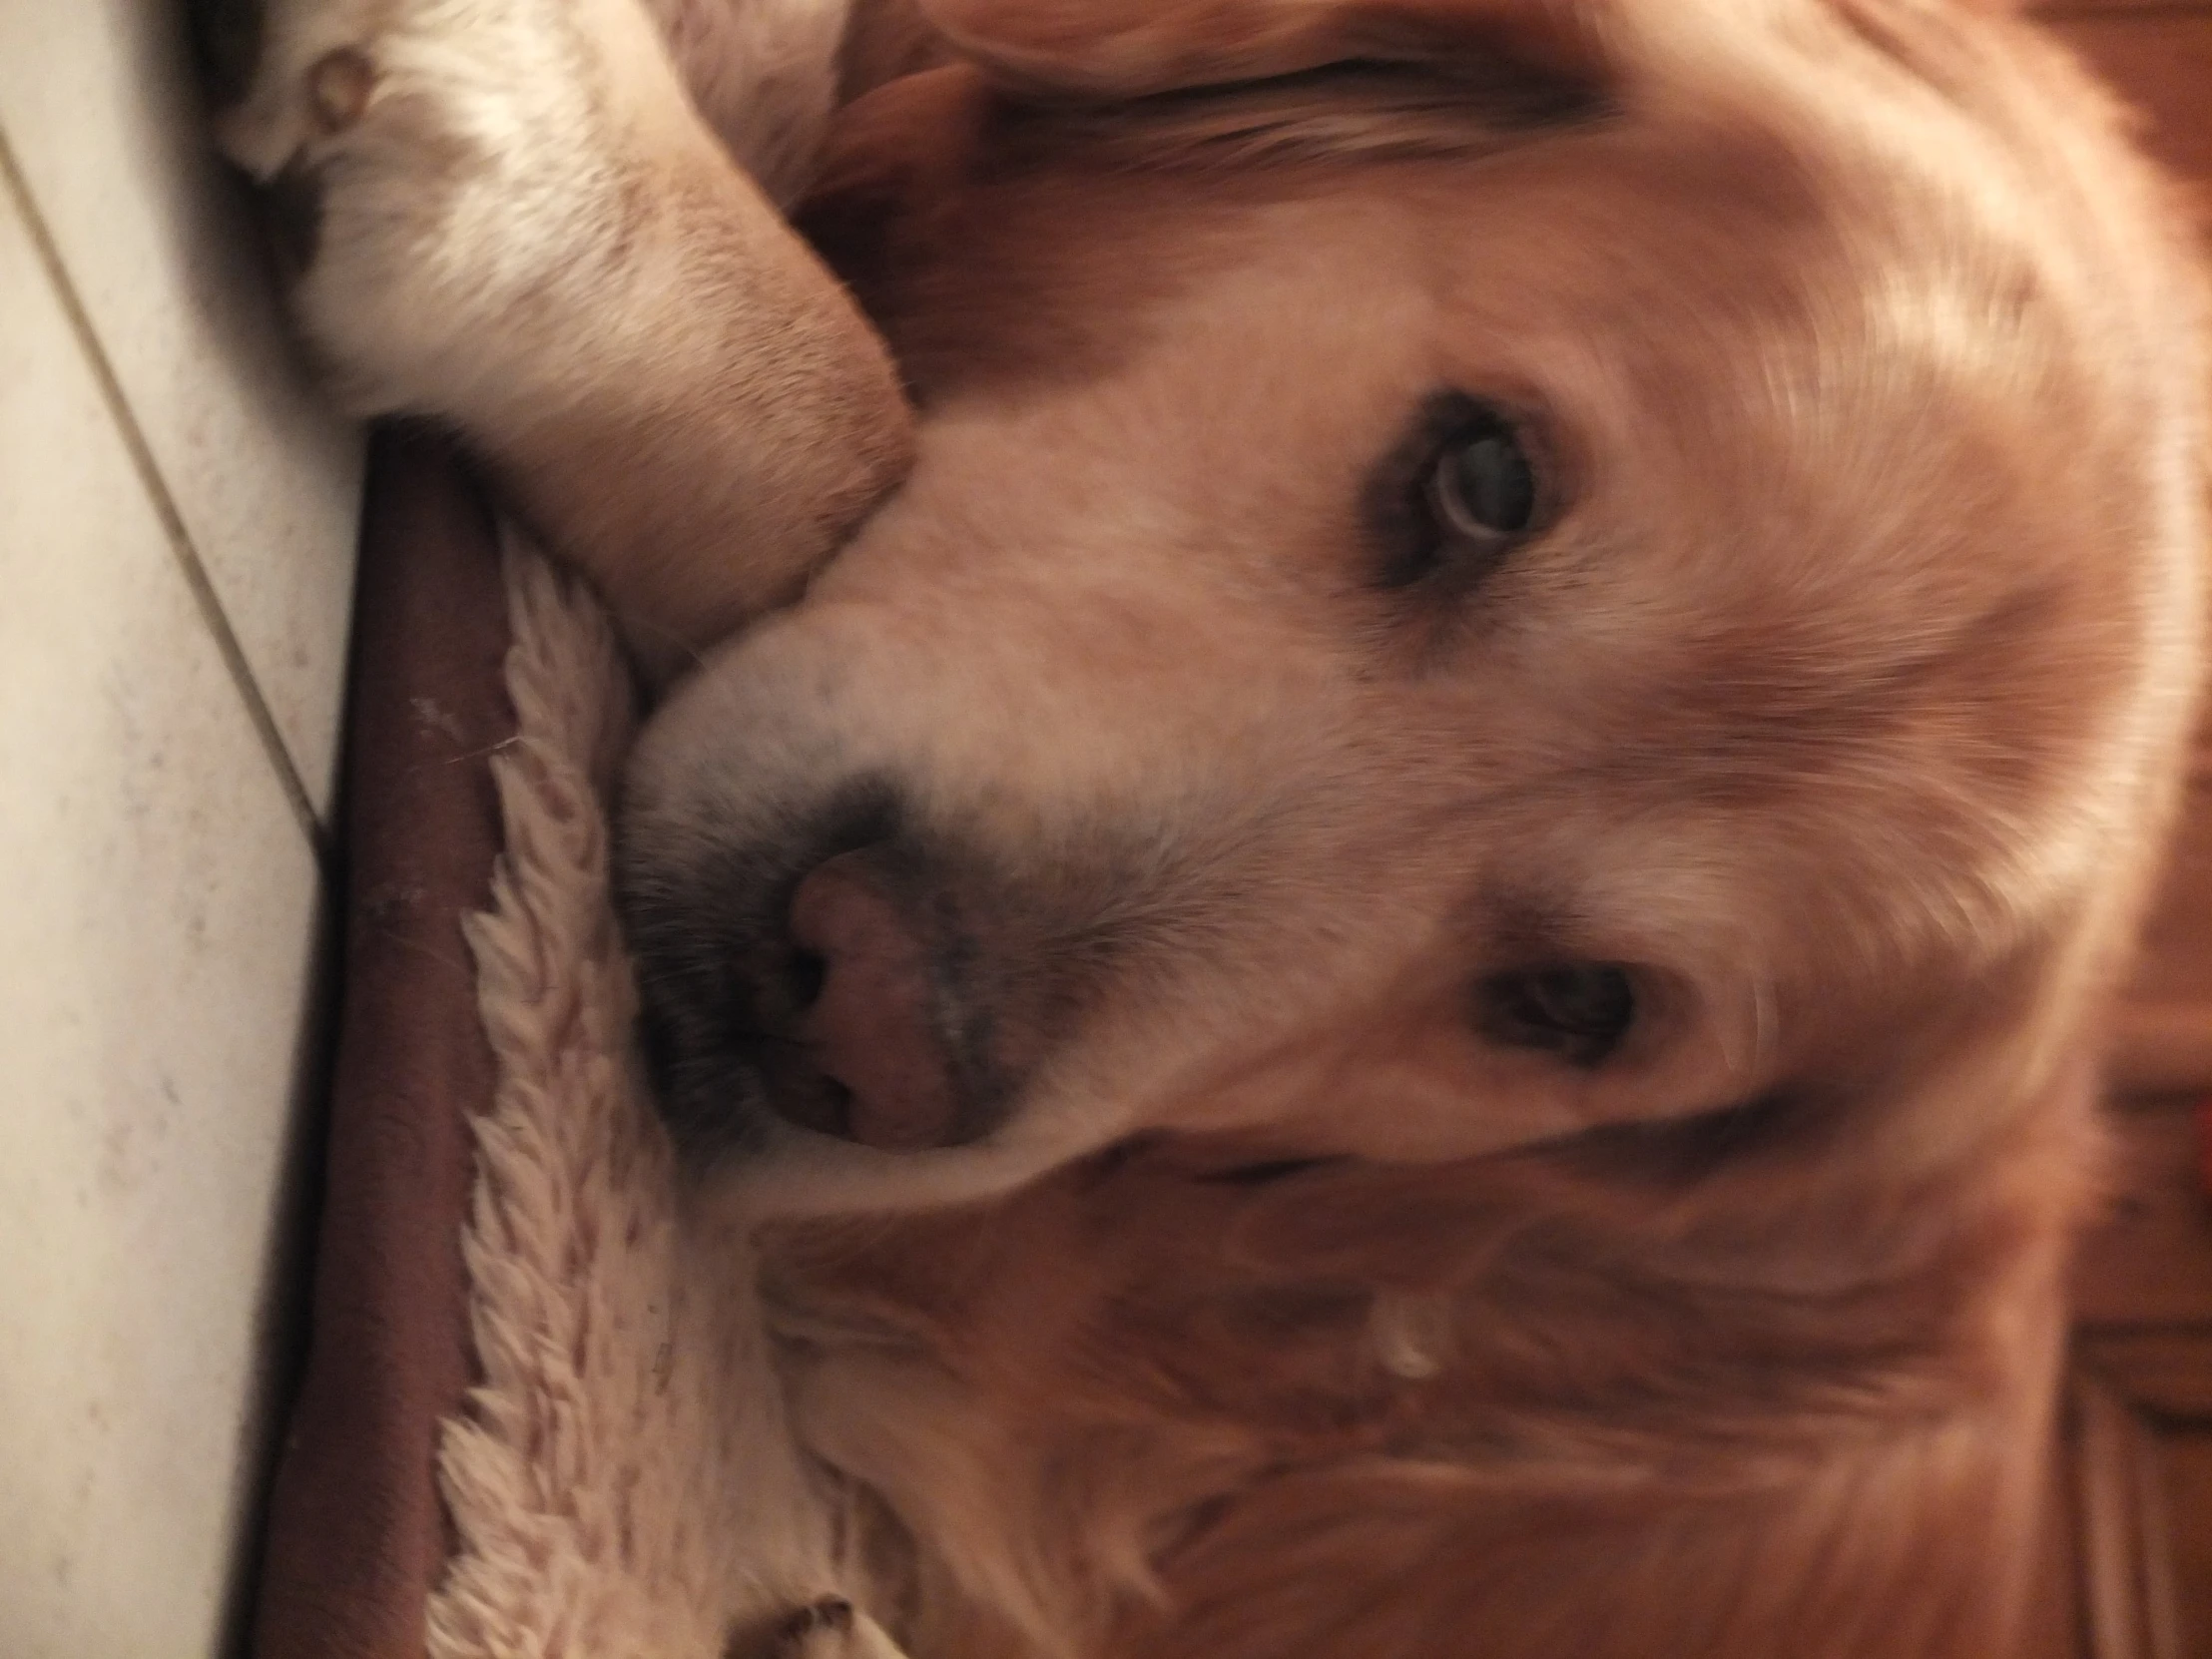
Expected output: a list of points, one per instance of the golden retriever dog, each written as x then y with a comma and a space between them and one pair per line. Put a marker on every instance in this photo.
1403, 949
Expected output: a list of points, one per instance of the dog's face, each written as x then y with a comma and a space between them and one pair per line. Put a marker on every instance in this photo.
1445, 604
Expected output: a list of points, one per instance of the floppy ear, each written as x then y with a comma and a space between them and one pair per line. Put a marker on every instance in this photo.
910, 140
908, 143
1129, 48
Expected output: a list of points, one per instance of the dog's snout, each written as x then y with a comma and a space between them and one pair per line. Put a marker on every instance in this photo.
830, 963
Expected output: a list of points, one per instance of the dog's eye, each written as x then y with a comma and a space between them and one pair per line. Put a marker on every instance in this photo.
1483, 488
1459, 493
1579, 1011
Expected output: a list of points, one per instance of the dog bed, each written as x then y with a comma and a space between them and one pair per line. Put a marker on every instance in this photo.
537, 1418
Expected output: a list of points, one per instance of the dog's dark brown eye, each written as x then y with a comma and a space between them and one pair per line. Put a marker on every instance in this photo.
1459, 493
1579, 1011
1482, 487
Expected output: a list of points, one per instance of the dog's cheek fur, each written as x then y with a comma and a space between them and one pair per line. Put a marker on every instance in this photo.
1821, 1572
1584, 1379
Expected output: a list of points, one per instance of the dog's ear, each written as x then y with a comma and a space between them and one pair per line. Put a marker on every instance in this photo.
908, 142
1109, 49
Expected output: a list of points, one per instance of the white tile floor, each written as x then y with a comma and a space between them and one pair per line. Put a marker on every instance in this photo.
177, 524
100, 116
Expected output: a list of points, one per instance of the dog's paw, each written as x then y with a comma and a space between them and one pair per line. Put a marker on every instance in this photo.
833, 1628
285, 76
430, 168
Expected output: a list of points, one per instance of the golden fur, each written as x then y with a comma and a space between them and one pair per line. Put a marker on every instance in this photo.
1257, 1298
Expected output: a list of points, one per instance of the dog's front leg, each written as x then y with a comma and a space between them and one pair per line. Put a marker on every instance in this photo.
506, 214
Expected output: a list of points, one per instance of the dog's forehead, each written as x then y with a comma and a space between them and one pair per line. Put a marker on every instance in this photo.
1061, 249
1685, 312
1838, 419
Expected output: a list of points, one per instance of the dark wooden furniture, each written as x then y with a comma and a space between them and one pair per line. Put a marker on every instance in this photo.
2130, 1574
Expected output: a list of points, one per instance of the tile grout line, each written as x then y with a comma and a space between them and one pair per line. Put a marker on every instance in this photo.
165, 507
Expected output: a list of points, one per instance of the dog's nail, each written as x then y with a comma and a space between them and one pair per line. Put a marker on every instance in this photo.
339, 87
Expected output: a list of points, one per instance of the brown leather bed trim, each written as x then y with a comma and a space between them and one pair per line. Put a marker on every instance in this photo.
357, 1534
